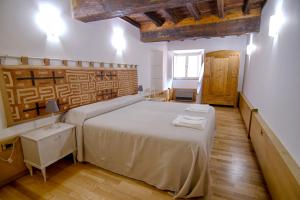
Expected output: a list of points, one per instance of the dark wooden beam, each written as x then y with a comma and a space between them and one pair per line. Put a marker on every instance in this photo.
154, 17
131, 21
193, 11
169, 15
220, 6
246, 7
94, 10
226, 28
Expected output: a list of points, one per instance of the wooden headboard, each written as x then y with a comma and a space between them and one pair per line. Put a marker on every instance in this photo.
26, 89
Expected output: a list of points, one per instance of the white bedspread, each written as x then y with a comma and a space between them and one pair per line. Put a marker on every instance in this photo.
139, 141
77, 116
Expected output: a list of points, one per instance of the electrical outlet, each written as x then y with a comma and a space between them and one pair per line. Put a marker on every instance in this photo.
7, 146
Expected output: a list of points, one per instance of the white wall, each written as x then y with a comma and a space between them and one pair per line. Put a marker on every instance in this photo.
212, 44
20, 36
156, 70
272, 80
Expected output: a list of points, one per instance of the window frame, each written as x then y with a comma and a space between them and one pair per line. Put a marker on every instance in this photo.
186, 65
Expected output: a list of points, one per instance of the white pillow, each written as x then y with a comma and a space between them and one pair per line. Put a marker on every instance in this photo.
78, 115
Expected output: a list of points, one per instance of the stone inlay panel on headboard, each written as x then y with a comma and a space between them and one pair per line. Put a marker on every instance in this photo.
28, 89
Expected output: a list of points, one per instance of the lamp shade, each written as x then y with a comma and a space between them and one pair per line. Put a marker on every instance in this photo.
140, 88
52, 106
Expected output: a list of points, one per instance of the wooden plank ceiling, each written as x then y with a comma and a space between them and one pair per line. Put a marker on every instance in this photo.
167, 20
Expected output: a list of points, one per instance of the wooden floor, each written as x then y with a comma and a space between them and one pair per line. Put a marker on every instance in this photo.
234, 169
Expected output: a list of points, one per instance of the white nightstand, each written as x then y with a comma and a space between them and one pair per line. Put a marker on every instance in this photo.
46, 145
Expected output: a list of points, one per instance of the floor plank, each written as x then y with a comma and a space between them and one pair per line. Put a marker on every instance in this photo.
233, 165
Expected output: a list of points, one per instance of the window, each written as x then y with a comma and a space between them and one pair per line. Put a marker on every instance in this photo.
186, 66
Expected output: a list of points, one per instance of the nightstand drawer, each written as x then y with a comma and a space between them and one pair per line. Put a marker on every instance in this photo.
50, 149
56, 146
68, 144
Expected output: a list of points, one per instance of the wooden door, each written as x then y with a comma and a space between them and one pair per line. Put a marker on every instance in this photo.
220, 78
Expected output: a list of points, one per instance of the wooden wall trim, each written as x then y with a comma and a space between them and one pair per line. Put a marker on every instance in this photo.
62, 67
246, 110
25, 61
280, 170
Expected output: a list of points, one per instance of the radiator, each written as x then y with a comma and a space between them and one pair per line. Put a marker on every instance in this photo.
184, 94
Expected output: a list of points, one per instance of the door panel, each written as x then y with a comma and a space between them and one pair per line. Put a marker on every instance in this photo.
234, 63
207, 67
218, 81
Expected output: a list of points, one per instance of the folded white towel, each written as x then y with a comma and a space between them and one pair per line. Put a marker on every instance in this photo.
191, 117
199, 105
190, 122
198, 108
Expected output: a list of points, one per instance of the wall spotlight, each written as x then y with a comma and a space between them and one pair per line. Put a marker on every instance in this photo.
118, 40
276, 21
49, 20
250, 49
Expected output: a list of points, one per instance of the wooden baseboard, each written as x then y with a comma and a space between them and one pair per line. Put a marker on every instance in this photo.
13, 178
281, 172
246, 110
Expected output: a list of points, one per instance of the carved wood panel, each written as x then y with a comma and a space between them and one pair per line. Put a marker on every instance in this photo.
28, 89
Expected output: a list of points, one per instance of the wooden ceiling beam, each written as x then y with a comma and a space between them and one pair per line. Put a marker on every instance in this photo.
131, 21
153, 16
220, 6
169, 15
94, 10
226, 28
193, 11
161, 17
246, 7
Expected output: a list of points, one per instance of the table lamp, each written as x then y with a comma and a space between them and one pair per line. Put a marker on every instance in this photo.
140, 89
52, 107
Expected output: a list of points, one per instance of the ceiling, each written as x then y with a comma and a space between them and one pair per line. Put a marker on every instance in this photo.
168, 20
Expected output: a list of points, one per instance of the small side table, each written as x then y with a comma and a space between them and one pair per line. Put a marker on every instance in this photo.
44, 146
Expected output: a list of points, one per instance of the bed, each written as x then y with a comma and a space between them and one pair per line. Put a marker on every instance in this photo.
136, 138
